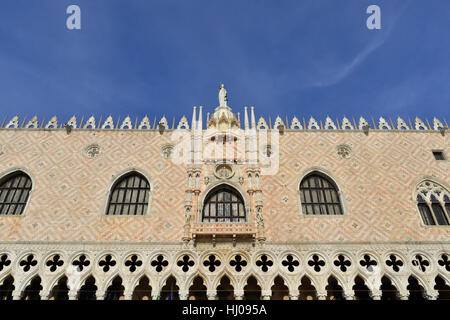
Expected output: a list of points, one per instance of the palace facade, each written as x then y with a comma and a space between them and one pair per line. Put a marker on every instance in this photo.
224, 207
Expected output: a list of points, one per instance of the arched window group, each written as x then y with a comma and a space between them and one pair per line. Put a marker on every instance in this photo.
433, 202
319, 195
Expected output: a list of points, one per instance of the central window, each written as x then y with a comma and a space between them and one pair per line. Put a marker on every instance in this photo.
224, 204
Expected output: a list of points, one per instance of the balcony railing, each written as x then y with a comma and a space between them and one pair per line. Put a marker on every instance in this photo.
224, 229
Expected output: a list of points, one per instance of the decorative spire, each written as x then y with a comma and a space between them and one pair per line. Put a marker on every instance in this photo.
253, 117
193, 119
245, 118
200, 122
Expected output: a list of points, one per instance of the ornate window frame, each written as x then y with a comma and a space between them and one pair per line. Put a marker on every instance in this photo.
205, 193
111, 184
415, 193
24, 170
329, 176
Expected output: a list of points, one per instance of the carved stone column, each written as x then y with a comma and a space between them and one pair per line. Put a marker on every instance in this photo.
349, 296
321, 295
259, 217
128, 295
431, 295
403, 295
188, 207
376, 294
260, 224
100, 295
211, 294
266, 294
187, 224
294, 294
155, 296
239, 294
184, 295
72, 295
16, 294
44, 295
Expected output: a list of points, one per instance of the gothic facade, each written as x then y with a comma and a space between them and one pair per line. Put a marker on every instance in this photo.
226, 208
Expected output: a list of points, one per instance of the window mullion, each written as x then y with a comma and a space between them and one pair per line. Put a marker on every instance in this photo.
432, 213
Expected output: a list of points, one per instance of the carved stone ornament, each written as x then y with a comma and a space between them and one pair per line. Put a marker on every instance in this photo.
259, 217
267, 150
344, 151
223, 171
167, 150
92, 150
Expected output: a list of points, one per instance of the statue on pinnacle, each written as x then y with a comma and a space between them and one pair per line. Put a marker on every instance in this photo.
222, 96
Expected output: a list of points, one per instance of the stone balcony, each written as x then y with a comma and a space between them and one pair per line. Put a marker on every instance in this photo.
224, 230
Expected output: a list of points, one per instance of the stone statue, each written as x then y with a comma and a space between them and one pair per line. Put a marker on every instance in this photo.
259, 217
222, 95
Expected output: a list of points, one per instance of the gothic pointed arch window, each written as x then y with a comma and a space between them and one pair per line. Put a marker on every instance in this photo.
433, 202
224, 204
129, 195
14, 193
319, 195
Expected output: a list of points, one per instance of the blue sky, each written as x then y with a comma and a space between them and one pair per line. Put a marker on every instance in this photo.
296, 57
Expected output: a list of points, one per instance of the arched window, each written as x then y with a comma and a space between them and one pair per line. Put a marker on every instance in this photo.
129, 195
433, 202
224, 204
319, 196
14, 191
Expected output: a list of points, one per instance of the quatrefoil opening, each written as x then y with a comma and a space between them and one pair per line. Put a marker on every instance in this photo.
185, 263
342, 262
4, 261
444, 262
54, 262
316, 262
368, 263
211, 263
159, 263
107, 263
133, 263
290, 263
420, 262
264, 263
81, 263
238, 263
394, 262
28, 263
